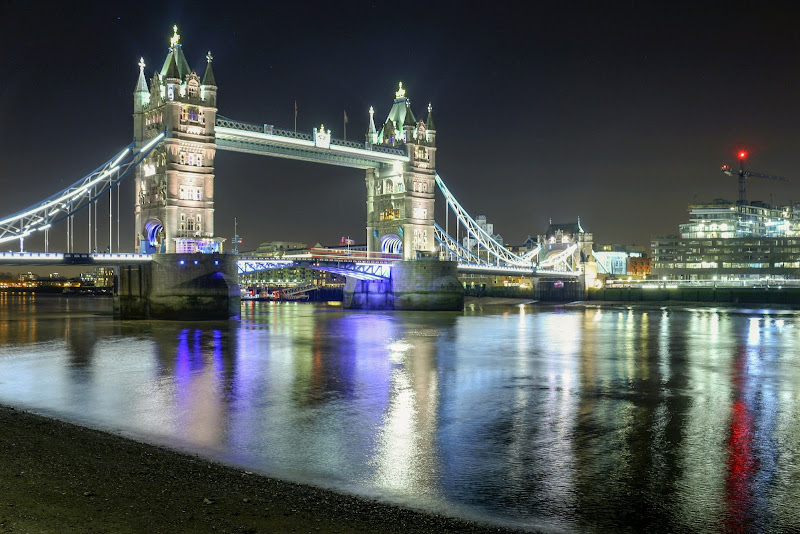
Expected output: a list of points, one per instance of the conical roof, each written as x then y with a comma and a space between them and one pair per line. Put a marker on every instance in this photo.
176, 56
429, 124
208, 77
141, 83
400, 114
171, 69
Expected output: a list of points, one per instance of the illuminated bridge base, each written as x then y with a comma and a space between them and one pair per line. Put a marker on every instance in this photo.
414, 285
179, 286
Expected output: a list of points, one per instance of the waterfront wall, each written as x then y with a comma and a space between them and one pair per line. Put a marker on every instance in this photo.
414, 285
179, 286
723, 295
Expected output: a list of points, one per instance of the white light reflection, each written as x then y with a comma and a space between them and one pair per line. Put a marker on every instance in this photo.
754, 331
404, 459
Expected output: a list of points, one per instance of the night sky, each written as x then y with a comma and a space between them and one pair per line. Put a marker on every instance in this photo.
620, 113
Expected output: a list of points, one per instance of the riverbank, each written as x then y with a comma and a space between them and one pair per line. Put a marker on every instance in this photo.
60, 477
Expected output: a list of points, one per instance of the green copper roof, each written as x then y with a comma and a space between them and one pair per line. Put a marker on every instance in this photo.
176, 56
400, 115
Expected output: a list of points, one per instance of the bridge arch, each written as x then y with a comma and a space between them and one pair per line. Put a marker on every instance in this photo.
153, 236
391, 244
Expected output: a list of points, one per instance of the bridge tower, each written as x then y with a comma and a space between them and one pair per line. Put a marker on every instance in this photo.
174, 206
400, 196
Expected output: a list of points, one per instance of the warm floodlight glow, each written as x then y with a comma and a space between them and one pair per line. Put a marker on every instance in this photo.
400, 91
175, 39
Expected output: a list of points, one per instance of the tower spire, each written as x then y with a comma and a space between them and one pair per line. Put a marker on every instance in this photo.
429, 124
141, 84
372, 133
208, 78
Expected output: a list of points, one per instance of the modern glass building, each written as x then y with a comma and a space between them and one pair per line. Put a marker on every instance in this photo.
732, 241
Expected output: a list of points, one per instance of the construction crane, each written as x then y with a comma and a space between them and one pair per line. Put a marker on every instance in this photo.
744, 175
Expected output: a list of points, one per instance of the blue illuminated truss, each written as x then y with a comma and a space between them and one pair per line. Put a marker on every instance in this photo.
361, 270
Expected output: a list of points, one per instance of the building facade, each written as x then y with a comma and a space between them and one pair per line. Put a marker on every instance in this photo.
174, 206
731, 241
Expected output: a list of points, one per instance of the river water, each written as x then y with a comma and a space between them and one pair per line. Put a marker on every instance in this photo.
557, 418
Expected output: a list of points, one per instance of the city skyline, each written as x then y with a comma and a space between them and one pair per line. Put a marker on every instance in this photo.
621, 116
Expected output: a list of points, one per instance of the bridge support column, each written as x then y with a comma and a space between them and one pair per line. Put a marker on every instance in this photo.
179, 286
414, 285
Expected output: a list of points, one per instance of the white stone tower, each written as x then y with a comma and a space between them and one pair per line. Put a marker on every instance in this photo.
174, 206
400, 197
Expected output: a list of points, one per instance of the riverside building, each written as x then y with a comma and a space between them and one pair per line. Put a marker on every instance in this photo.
729, 241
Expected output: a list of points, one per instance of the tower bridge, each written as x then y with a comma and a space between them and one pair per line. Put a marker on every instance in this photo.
177, 133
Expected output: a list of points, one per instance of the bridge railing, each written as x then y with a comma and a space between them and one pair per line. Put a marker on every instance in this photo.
336, 254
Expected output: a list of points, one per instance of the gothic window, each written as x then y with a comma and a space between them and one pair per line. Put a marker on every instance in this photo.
191, 224
192, 90
422, 153
183, 159
199, 160
191, 159
193, 114
183, 114
389, 187
190, 192
400, 187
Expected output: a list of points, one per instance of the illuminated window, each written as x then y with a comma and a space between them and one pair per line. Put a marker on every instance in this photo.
190, 192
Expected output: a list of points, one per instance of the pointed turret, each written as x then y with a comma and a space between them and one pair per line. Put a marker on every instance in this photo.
400, 116
175, 55
209, 86
429, 123
172, 70
208, 78
141, 95
372, 133
430, 127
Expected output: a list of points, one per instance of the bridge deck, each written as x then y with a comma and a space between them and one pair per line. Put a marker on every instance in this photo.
268, 140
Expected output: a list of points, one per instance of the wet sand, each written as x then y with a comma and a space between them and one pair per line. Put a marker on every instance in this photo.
60, 477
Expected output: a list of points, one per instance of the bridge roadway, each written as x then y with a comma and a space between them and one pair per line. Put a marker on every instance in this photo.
267, 140
354, 263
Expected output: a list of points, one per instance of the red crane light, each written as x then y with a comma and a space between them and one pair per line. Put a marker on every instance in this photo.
742, 154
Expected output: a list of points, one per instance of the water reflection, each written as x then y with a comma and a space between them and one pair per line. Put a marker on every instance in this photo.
581, 419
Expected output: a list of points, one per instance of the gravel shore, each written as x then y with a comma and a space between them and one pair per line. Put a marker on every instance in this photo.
60, 477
